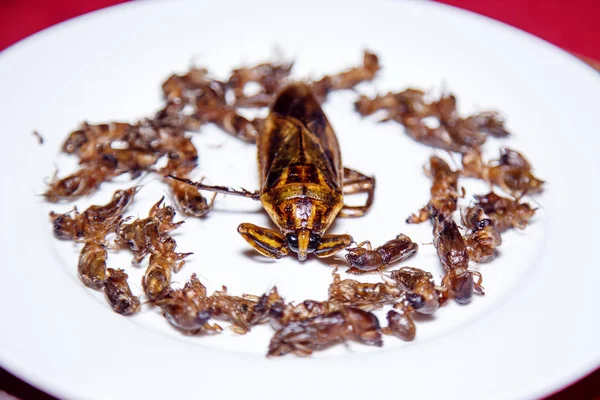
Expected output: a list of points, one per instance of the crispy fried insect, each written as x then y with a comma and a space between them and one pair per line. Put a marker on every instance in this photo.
95, 222
157, 278
363, 295
92, 265
410, 108
400, 324
366, 260
506, 213
186, 309
235, 309
321, 331
444, 192
82, 182
348, 79
118, 293
421, 292
511, 172
189, 200
143, 236
453, 254
482, 237
283, 314
269, 76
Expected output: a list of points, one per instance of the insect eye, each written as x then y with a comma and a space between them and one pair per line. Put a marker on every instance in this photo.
292, 240
416, 300
313, 242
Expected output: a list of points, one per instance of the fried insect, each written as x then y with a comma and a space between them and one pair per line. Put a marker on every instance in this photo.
506, 213
400, 324
444, 192
305, 336
454, 256
269, 76
185, 308
81, 183
453, 133
511, 172
420, 291
95, 222
144, 236
118, 293
240, 311
367, 260
157, 278
482, 237
92, 265
365, 296
348, 79
420, 296
302, 180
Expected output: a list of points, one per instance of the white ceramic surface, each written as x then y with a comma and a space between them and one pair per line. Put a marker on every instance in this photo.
536, 329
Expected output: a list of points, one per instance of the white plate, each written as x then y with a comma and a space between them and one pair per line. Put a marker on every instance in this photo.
536, 329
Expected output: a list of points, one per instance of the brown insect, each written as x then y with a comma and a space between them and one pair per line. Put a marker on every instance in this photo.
511, 172
302, 180
420, 296
348, 79
421, 293
367, 260
304, 336
268, 76
482, 237
505, 212
363, 295
186, 309
453, 133
454, 256
118, 293
444, 192
92, 265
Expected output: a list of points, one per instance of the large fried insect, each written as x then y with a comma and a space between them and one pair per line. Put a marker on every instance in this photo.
368, 260
511, 172
302, 180
453, 133
454, 256
506, 213
444, 192
304, 336
92, 265
482, 237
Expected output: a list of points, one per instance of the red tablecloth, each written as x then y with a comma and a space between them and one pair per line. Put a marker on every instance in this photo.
570, 24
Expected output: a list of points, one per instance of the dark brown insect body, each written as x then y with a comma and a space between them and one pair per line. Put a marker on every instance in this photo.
364, 260
302, 180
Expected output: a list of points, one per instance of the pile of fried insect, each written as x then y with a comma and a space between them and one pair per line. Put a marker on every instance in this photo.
302, 183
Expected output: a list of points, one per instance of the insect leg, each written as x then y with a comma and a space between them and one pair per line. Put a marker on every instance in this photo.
355, 182
267, 242
331, 244
220, 189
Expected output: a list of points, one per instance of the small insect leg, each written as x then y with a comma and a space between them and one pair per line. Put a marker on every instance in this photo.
355, 182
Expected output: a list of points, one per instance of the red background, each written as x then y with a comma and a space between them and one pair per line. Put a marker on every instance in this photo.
571, 24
